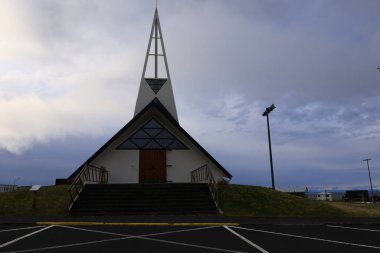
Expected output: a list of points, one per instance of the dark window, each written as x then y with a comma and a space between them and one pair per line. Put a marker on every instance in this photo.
152, 136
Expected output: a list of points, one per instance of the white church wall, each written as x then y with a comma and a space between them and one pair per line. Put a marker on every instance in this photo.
122, 165
180, 163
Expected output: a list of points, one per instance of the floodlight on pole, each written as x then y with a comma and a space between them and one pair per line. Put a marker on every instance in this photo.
369, 174
266, 114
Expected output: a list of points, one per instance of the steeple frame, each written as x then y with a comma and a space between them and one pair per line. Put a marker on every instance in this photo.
156, 27
154, 87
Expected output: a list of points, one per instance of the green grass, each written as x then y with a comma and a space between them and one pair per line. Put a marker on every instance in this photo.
356, 209
235, 200
240, 200
51, 201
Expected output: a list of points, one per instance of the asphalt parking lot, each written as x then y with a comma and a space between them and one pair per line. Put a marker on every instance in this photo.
187, 238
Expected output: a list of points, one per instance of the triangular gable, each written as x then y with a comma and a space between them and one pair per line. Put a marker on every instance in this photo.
156, 104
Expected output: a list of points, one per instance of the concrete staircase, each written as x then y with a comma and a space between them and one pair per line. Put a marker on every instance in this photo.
143, 199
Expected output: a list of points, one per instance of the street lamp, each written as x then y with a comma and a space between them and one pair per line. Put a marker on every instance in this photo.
266, 113
369, 174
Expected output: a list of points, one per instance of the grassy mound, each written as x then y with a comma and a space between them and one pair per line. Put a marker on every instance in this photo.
235, 200
241, 200
51, 201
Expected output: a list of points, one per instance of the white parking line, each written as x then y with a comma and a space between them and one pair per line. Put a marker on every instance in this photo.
353, 228
246, 240
125, 237
310, 238
24, 236
15, 229
117, 234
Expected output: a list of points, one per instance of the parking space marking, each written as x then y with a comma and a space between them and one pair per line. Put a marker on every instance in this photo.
353, 228
166, 224
66, 245
16, 229
117, 234
145, 237
125, 236
25, 236
191, 245
246, 240
309, 238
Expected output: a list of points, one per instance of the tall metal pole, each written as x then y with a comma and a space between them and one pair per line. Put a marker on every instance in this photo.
266, 113
270, 153
369, 174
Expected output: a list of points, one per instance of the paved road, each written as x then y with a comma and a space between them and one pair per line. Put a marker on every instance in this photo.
243, 238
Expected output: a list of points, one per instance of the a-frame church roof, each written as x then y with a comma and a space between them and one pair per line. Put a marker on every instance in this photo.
155, 103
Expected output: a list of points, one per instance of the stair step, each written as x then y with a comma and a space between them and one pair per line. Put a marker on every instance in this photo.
131, 199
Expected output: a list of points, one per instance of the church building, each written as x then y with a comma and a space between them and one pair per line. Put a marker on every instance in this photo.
153, 147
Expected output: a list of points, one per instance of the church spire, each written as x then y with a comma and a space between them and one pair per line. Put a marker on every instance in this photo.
155, 79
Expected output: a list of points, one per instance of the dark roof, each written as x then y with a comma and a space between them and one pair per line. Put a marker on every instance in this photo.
157, 104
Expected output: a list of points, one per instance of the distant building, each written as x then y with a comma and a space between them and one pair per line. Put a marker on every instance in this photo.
325, 196
296, 191
7, 187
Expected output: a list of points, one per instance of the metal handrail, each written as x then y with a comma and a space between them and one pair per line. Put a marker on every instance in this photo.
204, 175
88, 174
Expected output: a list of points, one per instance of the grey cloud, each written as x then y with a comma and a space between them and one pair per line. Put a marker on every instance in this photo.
81, 63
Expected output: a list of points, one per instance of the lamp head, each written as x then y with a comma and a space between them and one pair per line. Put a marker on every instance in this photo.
269, 109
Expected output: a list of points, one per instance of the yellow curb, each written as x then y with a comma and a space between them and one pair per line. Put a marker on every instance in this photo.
85, 223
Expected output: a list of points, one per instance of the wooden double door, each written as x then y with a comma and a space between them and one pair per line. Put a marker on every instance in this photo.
152, 167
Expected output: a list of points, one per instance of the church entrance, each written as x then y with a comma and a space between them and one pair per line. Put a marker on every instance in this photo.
152, 166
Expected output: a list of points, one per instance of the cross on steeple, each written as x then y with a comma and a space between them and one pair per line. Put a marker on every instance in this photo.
155, 80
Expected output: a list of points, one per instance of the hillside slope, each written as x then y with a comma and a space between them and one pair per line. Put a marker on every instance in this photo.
242, 200
51, 201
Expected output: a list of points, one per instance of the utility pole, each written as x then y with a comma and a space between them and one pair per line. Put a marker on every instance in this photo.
369, 174
266, 113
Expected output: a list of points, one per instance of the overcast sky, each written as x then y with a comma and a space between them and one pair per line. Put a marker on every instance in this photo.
70, 72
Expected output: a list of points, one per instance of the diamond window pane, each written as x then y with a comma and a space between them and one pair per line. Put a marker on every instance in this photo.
177, 145
128, 145
152, 124
141, 134
140, 142
153, 131
153, 145
165, 142
165, 135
